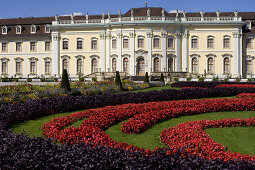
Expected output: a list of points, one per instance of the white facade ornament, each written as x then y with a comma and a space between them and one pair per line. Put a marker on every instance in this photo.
149, 34
87, 16
103, 15
184, 14
202, 13
72, 16
148, 12
186, 33
132, 13
177, 13
56, 17
119, 13
163, 12
218, 13
236, 13
109, 15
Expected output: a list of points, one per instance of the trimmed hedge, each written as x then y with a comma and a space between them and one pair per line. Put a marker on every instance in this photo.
21, 152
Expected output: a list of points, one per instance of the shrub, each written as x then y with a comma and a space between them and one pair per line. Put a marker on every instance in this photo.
118, 80
176, 79
65, 81
162, 78
146, 78
201, 79
81, 78
75, 92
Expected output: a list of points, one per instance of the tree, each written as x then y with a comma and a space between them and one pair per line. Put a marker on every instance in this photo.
118, 80
162, 78
146, 78
65, 81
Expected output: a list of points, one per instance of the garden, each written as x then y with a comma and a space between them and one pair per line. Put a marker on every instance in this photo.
188, 125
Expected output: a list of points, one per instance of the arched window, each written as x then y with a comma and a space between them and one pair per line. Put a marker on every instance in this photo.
156, 64
18, 29
140, 42
93, 43
226, 42
170, 64
18, 67
79, 66
94, 65
210, 42
4, 67
65, 64
47, 67
114, 63
156, 43
194, 42
210, 65
170, 42
194, 65
226, 65
33, 29
125, 42
32, 67
65, 44
249, 66
79, 44
125, 65
4, 30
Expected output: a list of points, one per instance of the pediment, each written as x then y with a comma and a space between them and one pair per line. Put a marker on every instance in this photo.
141, 52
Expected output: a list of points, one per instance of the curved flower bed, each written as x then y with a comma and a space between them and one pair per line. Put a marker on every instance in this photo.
145, 115
246, 95
237, 85
193, 136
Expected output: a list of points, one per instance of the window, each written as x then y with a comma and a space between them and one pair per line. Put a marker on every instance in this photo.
47, 67
32, 46
210, 42
65, 64
32, 67
248, 24
65, 44
47, 46
18, 46
4, 47
226, 42
226, 65
210, 65
4, 30
93, 43
93, 65
4, 67
18, 67
125, 65
125, 42
114, 43
140, 42
194, 42
79, 44
194, 65
18, 29
249, 66
170, 42
156, 64
156, 42
170, 64
47, 29
33, 29
114, 63
79, 66
249, 43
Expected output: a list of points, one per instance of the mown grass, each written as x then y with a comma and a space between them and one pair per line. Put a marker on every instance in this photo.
153, 88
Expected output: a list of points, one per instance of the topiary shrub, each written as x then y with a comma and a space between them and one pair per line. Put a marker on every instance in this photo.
162, 78
65, 81
118, 80
146, 78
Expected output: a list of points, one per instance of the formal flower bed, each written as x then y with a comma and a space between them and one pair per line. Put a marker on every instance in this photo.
207, 84
237, 85
192, 136
246, 95
144, 116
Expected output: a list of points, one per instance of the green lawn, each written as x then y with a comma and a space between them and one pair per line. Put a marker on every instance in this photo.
154, 88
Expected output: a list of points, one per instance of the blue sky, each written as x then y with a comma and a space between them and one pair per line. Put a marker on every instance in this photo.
37, 8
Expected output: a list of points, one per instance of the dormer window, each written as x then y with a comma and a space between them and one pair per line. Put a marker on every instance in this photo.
47, 29
248, 24
4, 30
18, 29
33, 29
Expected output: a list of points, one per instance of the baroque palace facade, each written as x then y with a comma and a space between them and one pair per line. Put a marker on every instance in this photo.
141, 40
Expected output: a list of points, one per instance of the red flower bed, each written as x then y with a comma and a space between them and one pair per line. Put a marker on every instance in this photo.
246, 95
192, 136
141, 117
237, 85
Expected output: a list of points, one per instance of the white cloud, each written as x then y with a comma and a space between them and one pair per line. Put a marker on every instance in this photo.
75, 14
174, 11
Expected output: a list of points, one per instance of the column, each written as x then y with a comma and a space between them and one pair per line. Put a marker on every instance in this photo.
119, 45
241, 53
40, 72
184, 52
149, 43
178, 64
237, 54
11, 63
164, 46
132, 54
26, 62
102, 52
108, 50
55, 54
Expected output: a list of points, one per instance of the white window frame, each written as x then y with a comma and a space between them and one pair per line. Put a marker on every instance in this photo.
77, 40
114, 39
195, 38
68, 61
4, 30
20, 50
45, 46
224, 71
31, 60
47, 59
18, 60
224, 38
35, 46
6, 60
210, 37
65, 40
6, 47
18, 29
33, 27
126, 38
80, 57
92, 41
153, 41
143, 41
47, 29
168, 38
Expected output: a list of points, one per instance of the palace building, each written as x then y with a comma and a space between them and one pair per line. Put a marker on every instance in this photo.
141, 40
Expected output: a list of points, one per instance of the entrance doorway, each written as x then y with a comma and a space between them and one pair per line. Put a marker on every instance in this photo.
140, 67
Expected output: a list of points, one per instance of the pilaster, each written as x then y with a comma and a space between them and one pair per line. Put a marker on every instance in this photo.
237, 53
178, 64
108, 50
132, 53
164, 46
55, 54
102, 52
184, 52
149, 43
119, 45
